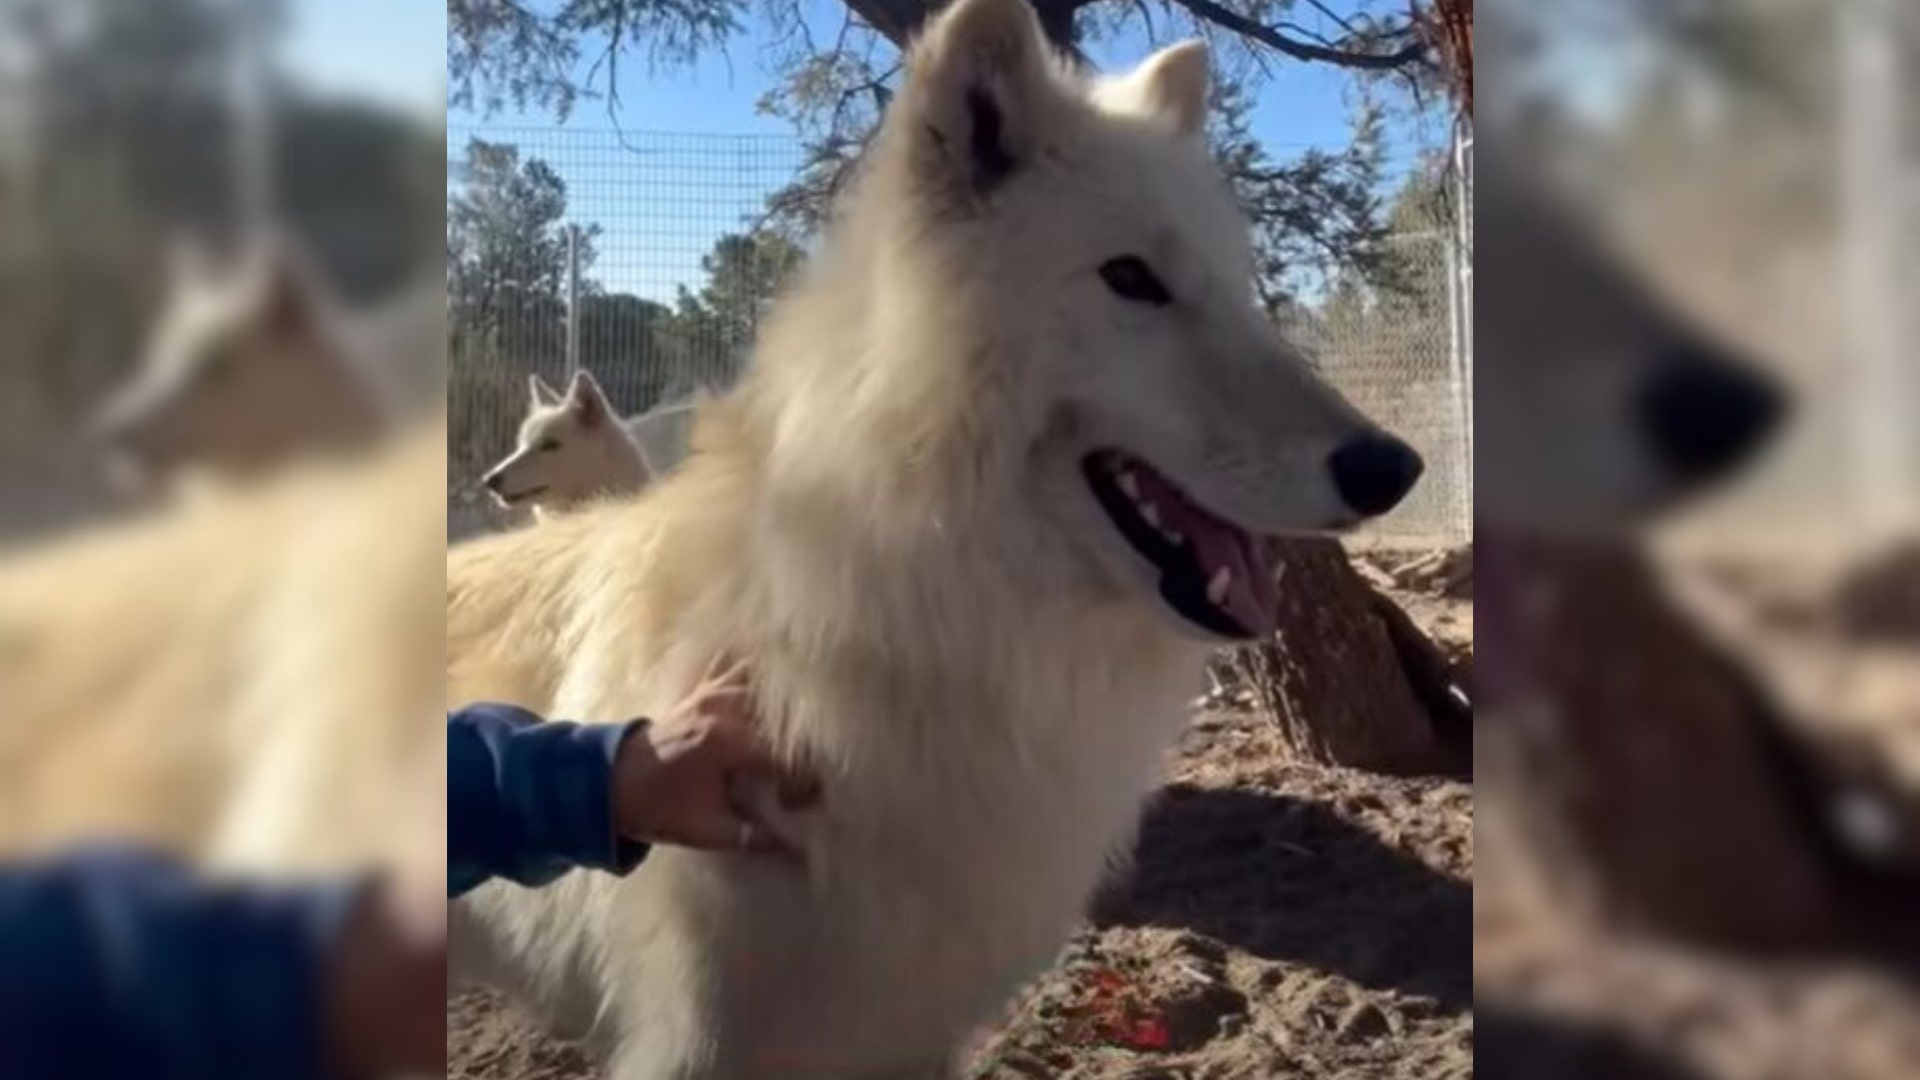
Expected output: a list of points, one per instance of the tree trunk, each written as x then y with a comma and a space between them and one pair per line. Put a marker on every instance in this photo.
1640, 775
1347, 676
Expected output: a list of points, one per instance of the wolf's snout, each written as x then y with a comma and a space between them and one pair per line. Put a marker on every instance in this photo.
493, 482
1374, 472
1704, 415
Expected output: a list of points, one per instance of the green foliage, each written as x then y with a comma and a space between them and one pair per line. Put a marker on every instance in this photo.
1315, 215
712, 331
1394, 318
506, 287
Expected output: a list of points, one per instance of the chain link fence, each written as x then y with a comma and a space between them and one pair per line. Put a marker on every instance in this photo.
1397, 353
638, 257
647, 260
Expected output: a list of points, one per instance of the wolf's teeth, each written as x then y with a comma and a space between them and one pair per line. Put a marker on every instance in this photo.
1152, 515
1130, 485
1217, 587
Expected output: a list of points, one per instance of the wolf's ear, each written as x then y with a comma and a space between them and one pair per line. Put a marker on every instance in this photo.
587, 400
978, 90
541, 392
1171, 85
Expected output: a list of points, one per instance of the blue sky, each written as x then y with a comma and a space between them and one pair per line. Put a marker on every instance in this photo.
661, 193
393, 51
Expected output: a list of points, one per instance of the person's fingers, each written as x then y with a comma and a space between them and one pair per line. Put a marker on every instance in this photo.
735, 701
763, 797
724, 830
718, 732
726, 669
762, 841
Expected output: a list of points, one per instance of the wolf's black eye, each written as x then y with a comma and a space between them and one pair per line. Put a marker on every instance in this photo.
548, 446
1131, 279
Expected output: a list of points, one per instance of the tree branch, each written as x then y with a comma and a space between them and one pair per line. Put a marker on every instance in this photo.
1226, 19
899, 20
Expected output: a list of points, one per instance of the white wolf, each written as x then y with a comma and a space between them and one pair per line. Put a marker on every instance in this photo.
1005, 467
250, 365
571, 448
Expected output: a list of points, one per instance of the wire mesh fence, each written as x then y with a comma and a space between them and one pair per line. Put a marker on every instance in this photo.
635, 257
1397, 353
647, 259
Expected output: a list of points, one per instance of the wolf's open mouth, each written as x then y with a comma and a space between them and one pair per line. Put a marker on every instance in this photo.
1215, 574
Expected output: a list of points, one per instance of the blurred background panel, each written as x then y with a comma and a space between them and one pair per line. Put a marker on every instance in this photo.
1698, 531
126, 127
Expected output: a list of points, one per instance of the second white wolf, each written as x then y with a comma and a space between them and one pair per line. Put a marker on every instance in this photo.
571, 448
1007, 464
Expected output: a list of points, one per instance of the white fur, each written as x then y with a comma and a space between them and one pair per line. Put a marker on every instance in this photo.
889, 518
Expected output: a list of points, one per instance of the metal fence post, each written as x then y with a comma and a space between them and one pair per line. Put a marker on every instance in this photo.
1874, 212
1460, 289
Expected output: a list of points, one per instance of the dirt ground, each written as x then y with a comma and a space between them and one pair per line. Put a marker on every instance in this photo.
1279, 921
1837, 640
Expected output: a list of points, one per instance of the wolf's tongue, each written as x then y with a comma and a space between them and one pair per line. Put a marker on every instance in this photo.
1250, 596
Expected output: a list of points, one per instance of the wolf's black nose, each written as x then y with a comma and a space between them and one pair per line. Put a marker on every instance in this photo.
1374, 472
1703, 413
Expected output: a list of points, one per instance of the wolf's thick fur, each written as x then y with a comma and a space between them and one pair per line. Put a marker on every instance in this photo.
251, 678
890, 517
571, 448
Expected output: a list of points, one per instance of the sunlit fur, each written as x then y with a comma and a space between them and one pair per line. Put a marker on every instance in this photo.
250, 678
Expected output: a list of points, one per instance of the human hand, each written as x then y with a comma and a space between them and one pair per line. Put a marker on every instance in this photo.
674, 782
386, 984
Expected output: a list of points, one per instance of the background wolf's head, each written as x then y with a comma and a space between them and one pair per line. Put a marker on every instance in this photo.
1054, 294
572, 447
245, 367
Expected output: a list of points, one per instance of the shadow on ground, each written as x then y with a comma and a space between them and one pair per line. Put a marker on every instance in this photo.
1292, 881
1510, 1045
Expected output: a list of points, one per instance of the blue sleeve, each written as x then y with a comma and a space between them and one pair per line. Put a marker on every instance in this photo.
529, 801
115, 963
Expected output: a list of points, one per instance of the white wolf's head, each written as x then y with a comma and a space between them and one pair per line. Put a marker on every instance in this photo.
1597, 405
572, 447
1060, 287
244, 368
